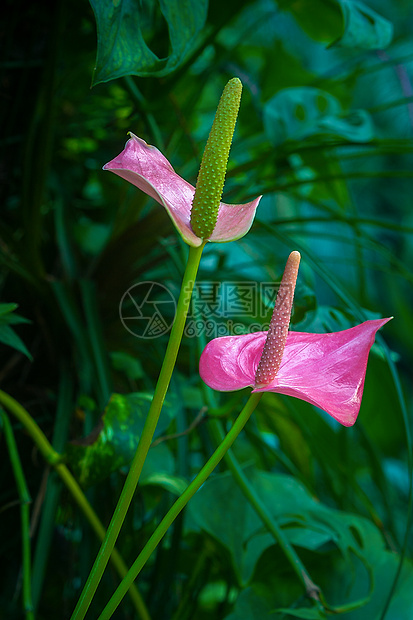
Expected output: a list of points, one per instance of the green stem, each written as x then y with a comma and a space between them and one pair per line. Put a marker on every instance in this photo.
144, 108
54, 458
94, 330
180, 503
64, 410
39, 438
145, 440
188, 598
25, 501
240, 478
215, 426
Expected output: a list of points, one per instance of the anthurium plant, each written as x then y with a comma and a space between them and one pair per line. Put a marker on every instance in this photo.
203, 407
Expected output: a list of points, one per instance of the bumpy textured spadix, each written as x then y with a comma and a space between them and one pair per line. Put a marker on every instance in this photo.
146, 168
326, 370
274, 346
211, 176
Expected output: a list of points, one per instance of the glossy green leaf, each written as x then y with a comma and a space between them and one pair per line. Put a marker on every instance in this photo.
113, 443
122, 49
344, 22
357, 592
220, 509
347, 586
295, 114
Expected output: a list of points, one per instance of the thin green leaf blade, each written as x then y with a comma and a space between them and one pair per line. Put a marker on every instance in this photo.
6, 308
9, 337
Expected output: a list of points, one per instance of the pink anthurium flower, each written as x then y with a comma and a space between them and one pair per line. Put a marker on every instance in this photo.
326, 370
144, 166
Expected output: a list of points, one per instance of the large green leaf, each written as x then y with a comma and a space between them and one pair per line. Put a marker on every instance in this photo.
345, 22
122, 49
363, 27
113, 444
251, 605
358, 574
220, 509
308, 112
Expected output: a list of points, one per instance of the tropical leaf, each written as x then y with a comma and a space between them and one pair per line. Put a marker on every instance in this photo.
219, 508
306, 112
344, 22
122, 49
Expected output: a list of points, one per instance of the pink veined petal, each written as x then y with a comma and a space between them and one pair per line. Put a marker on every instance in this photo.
326, 370
229, 363
234, 221
145, 167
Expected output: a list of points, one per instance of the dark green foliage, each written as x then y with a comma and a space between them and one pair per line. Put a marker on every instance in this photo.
302, 113
325, 134
112, 444
7, 334
123, 26
344, 22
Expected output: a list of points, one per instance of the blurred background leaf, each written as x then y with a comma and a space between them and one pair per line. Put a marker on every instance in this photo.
7, 335
122, 26
325, 133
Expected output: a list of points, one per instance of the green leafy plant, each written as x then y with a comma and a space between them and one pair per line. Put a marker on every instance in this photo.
7, 335
299, 518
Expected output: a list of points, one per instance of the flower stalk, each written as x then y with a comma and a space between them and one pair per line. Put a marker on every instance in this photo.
55, 460
178, 506
145, 440
25, 501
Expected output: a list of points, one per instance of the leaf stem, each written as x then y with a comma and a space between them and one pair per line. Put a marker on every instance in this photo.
351, 303
54, 458
312, 590
25, 501
39, 438
215, 426
94, 330
180, 503
64, 409
145, 440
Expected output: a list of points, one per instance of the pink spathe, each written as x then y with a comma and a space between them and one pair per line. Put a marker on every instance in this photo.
326, 370
146, 168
